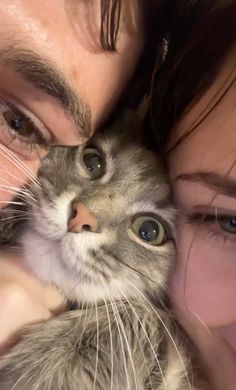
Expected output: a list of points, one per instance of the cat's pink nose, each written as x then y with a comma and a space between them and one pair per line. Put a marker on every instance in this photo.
82, 219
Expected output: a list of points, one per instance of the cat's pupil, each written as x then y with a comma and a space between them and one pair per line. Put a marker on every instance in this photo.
149, 231
93, 162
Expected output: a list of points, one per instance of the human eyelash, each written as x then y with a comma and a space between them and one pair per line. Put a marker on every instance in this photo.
21, 133
218, 225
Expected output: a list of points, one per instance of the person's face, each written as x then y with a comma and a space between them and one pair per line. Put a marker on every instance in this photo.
56, 83
203, 172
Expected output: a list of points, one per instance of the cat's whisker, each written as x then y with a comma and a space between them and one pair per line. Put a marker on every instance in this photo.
34, 204
20, 379
15, 211
97, 342
12, 202
86, 319
12, 217
122, 346
115, 312
139, 344
22, 189
111, 343
76, 284
80, 311
13, 159
28, 195
165, 327
142, 329
135, 270
141, 349
6, 223
201, 321
11, 175
127, 343
110, 332
22, 196
119, 332
147, 337
11, 221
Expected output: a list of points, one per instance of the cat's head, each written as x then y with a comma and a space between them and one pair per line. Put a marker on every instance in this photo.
103, 224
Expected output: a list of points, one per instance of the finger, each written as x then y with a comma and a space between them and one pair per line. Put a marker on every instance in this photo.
16, 310
12, 270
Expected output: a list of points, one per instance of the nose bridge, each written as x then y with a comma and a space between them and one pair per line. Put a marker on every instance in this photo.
105, 199
99, 198
107, 202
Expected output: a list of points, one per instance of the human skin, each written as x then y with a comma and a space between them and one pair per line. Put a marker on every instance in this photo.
203, 285
67, 39
96, 77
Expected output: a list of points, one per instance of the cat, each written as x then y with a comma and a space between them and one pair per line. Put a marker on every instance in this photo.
101, 227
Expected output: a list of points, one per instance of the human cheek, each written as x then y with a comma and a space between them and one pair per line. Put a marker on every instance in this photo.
203, 284
14, 173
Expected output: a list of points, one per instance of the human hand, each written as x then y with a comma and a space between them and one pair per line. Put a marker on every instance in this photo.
23, 299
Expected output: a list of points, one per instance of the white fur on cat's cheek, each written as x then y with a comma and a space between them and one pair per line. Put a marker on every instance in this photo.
51, 220
62, 262
46, 260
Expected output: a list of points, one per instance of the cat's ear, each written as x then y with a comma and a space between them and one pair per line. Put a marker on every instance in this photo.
129, 123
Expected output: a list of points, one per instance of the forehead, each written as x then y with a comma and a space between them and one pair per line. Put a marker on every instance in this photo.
211, 145
74, 48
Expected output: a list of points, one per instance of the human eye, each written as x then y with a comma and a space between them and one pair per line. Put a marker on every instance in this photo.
22, 132
218, 223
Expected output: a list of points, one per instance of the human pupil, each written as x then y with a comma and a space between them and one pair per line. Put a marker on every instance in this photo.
92, 162
148, 231
233, 222
16, 123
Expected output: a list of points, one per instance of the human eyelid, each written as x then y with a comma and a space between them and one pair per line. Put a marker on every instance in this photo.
29, 137
219, 223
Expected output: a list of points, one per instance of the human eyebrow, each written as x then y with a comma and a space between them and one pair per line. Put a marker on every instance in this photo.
222, 184
45, 76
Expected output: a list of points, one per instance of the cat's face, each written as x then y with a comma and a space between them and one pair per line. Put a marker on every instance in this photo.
103, 223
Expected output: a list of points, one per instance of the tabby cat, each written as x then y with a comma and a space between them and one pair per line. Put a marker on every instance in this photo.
101, 227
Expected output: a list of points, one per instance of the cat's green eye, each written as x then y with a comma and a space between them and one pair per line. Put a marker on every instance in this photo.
150, 230
93, 162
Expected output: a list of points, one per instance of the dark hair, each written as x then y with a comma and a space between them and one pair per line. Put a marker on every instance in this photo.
201, 33
110, 20
156, 22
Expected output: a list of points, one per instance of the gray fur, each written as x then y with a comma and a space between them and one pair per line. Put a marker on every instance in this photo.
119, 337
